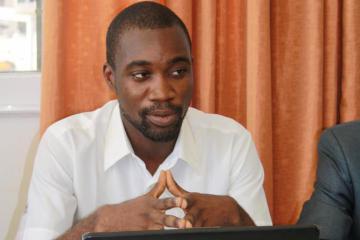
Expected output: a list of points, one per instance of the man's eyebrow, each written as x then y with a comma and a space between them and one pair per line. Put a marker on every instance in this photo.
142, 63
179, 59
137, 63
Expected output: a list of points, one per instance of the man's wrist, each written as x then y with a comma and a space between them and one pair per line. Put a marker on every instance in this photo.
100, 217
239, 217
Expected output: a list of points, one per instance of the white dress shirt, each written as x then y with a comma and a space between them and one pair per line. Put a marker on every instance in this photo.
86, 160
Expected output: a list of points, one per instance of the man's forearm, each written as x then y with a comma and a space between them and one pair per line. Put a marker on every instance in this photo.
86, 225
245, 219
242, 218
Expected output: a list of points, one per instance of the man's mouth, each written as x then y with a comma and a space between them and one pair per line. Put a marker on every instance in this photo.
162, 118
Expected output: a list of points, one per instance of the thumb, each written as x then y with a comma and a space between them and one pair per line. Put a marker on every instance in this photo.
159, 187
173, 187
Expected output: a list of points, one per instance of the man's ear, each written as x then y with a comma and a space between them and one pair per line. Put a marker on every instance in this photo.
109, 76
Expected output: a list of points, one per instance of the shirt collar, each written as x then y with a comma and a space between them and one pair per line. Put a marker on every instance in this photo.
187, 145
117, 145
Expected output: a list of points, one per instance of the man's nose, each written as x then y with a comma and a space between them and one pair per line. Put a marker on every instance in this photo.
161, 89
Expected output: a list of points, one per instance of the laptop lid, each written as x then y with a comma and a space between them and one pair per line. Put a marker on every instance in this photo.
291, 232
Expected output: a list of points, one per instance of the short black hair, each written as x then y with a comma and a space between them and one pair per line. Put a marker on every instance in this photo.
142, 15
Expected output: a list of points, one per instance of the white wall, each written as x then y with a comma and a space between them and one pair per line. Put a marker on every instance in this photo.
19, 124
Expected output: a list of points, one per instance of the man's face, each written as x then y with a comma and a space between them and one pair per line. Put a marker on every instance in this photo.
153, 81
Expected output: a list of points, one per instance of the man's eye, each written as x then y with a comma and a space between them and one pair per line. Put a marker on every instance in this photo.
179, 72
140, 75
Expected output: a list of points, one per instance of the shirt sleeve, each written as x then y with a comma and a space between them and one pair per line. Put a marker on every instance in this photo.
51, 200
330, 206
247, 177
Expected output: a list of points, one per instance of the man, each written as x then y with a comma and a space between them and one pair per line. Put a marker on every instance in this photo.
147, 160
334, 204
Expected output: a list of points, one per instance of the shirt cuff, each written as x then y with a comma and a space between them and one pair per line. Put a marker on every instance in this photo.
39, 234
263, 223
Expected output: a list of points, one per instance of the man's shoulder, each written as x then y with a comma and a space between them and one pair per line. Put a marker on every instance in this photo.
84, 121
345, 132
343, 143
210, 121
352, 127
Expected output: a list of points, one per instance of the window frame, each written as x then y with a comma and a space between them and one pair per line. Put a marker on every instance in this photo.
20, 93
21, 90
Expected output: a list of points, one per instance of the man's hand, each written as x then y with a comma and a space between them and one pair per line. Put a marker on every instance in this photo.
205, 210
143, 213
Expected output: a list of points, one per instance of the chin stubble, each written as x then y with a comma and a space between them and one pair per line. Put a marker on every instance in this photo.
145, 128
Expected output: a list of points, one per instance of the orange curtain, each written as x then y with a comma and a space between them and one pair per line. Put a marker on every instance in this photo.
285, 69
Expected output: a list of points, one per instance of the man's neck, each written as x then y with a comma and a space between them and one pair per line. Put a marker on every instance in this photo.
151, 152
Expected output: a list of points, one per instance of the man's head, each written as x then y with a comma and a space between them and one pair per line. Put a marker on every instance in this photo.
143, 15
149, 66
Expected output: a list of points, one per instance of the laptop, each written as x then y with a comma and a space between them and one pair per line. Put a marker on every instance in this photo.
290, 232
